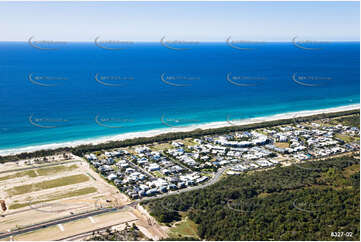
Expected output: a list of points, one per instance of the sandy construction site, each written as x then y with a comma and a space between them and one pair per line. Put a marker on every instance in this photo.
42, 194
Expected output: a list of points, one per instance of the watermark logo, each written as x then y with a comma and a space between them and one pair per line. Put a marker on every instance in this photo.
63, 206
241, 119
177, 44
4, 130
171, 204
312, 166
46, 123
72, 204
307, 44
307, 167
243, 81
111, 122
45, 80
305, 207
230, 121
113, 80
243, 44
310, 154
177, 122
112, 44
323, 119
241, 206
309, 80
297, 120
178, 80
45, 44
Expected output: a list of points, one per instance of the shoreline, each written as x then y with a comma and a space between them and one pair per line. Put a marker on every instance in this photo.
154, 132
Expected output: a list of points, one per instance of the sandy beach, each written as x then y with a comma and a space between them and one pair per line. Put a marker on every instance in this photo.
150, 133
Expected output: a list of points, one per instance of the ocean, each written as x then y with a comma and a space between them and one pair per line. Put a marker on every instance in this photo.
77, 91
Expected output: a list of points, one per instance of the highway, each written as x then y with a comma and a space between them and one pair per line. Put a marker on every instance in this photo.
58, 221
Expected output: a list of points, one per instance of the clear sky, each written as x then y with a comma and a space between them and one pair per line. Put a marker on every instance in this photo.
200, 21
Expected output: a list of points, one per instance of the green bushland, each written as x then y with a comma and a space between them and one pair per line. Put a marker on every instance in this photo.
298, 202
74, 193
83, 149
63, 181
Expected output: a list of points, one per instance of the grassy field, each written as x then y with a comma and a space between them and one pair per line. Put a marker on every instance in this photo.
40, 172
63, 181
75, 193
185, 228
158, 174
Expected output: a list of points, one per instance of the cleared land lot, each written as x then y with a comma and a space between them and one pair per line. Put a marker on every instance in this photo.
35, 195
39, 195
78, 227
184, 228
63, 181
39, 172
83, 225
74, 193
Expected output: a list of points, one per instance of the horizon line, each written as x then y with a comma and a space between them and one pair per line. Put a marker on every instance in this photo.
187, 41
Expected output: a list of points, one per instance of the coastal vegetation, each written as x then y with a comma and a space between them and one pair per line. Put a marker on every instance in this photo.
351, 116
307, 201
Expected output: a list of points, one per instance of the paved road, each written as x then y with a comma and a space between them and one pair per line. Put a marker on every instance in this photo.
58, 221
210, 182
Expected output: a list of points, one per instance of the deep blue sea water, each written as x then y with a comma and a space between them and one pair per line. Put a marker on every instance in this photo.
81, 91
